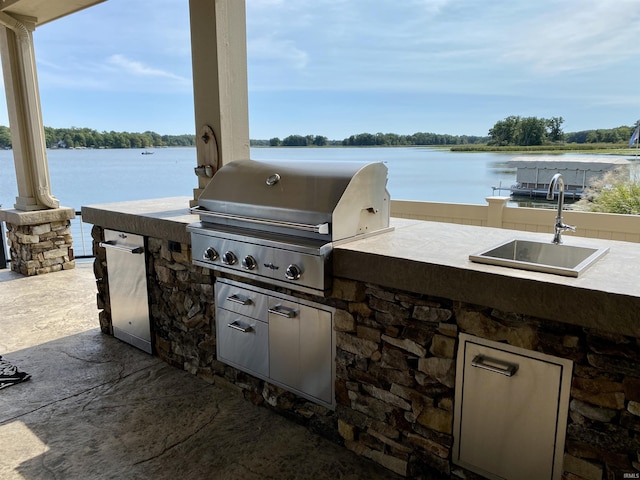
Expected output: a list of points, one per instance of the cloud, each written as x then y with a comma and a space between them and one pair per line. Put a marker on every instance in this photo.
534, 48
582, 35
362, 45
116, 73
138, 69
269, 48
150, 53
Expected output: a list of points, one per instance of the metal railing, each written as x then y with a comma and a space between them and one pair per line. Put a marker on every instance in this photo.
3, 248
81, 231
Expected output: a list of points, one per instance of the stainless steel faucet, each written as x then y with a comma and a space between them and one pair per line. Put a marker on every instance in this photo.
559, 226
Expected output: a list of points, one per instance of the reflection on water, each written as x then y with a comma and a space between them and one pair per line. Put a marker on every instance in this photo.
85, 177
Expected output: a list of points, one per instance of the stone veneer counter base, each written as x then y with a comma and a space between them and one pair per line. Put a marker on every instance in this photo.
401, 299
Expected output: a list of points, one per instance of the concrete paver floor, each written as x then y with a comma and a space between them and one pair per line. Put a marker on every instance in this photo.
98, 408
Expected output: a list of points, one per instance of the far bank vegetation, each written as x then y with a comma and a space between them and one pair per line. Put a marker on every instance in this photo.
514, 133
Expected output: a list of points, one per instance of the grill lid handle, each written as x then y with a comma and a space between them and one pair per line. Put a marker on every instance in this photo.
321, 228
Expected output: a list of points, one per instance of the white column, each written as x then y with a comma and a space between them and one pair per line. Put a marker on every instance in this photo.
25, 115
219, 56
495, 210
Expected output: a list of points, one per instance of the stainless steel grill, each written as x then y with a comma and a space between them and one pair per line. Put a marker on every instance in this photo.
277, 222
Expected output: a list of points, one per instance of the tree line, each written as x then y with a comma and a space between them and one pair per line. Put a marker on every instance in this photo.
511, 131
370, 140
530, 131
88, 138
519, 131
609, 135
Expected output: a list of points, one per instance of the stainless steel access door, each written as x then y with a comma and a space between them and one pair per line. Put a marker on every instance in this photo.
511, 410
128, 288
301, 351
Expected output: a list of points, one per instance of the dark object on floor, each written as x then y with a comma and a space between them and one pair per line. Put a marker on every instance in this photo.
10, 375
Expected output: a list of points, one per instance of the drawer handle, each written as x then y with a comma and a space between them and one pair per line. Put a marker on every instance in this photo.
236, 326
493, 365
235, 298
283, 311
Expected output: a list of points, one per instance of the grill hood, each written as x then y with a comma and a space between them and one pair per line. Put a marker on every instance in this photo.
323, 200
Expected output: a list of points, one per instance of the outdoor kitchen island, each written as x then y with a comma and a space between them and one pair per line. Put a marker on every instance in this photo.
401, 300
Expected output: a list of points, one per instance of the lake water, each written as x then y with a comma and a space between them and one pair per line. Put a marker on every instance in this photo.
85, 177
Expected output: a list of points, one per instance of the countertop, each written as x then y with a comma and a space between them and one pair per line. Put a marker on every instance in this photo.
164, 218
432, 258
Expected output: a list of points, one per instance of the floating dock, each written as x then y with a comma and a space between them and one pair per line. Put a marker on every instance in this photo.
534, 173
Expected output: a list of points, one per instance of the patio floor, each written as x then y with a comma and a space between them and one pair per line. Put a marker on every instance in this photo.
96, 407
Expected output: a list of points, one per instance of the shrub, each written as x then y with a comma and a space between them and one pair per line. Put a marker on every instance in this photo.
617, 192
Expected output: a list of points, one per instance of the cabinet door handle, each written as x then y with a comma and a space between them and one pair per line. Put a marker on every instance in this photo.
494, 365
235, 298
236, 326
283, 311
112, 244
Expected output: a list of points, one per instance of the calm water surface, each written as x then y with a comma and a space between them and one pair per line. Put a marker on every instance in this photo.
85, 177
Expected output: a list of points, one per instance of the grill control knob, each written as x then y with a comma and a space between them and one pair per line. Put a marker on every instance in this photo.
210, 254
249, 263
293, 272
229, 258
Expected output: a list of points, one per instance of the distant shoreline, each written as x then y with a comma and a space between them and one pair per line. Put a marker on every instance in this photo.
606, 149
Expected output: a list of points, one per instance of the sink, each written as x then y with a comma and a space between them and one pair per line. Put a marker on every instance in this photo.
567, 260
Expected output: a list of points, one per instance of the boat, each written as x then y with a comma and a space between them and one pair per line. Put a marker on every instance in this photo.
534, 173
147, 152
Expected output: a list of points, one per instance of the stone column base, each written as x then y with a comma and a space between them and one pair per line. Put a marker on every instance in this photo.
40, 241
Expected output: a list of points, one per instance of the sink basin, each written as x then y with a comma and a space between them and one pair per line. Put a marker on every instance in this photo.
567, 260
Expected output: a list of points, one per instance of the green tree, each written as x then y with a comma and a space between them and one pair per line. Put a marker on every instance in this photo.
5, 137
554, 125
504, 132
67, 139
592, 137
79, 139
320, 141
295, 141
526, 131
531, 131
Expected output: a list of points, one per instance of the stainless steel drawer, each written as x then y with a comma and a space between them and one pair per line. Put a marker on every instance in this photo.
241, 300
284, 340
511, 410
243, 342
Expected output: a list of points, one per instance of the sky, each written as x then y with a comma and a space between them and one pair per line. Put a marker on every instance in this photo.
342, 67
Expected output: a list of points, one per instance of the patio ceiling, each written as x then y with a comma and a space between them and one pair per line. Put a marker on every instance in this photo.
43, 11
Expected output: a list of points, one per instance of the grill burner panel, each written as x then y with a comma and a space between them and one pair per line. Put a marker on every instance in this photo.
263, 258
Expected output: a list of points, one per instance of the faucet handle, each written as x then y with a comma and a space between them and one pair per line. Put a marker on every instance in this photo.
568, 227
